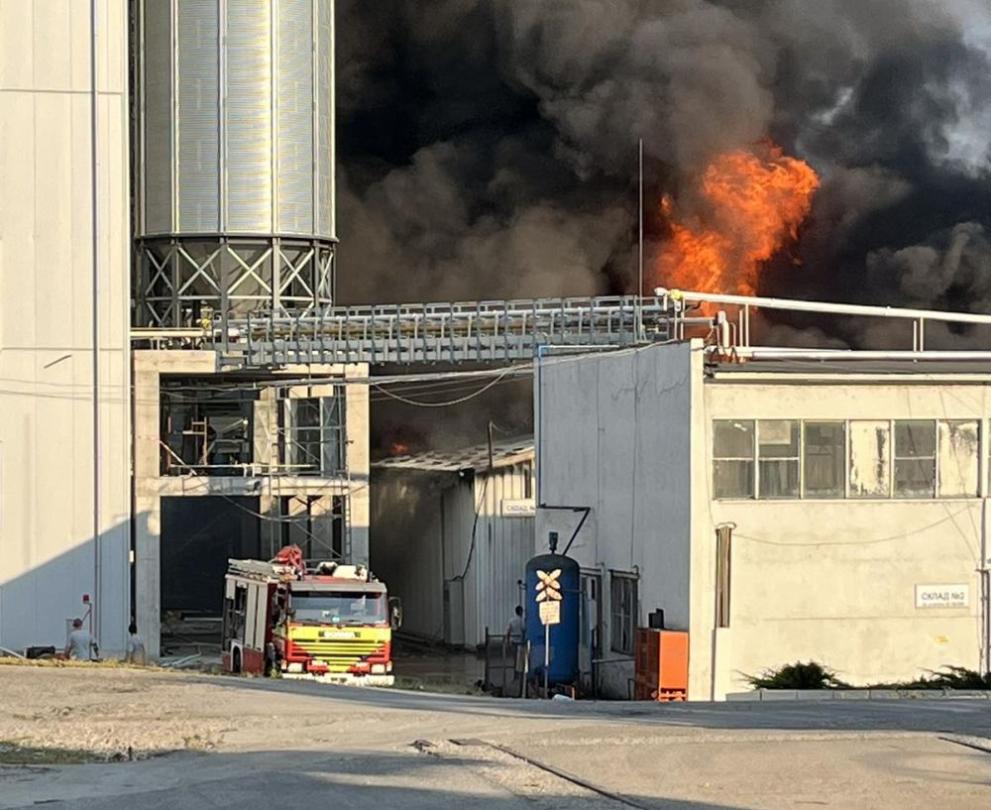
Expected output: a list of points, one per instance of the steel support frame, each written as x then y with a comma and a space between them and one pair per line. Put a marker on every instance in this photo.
191, 280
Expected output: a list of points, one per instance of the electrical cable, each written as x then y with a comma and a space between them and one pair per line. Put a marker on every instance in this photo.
449, 403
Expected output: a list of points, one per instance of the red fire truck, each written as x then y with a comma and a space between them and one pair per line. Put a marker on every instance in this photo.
324, 621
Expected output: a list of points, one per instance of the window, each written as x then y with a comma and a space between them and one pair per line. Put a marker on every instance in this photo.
332, 420
623, 612
304, 448
733, 455
315, 438
825, 459
958, 459
915, 458
860, 458
777, 452
870, 467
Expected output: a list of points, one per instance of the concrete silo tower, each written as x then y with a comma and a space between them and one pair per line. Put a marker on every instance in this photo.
234, 158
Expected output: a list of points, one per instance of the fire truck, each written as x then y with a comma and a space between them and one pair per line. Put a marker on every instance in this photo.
324, 621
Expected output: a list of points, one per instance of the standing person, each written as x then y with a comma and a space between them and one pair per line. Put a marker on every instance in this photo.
516, 633
135, 646
81, 646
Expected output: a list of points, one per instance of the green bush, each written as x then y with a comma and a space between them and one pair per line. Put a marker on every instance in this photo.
816, 676
797, 676
948, 678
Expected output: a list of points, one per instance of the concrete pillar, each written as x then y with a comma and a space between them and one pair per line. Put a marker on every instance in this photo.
148, 484
358, 462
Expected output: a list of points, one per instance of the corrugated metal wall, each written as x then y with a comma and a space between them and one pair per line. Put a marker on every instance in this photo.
502, 546
422, 538
236, 139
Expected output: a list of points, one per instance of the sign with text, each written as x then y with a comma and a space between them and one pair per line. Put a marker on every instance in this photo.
519, 507
942, 596
550, 613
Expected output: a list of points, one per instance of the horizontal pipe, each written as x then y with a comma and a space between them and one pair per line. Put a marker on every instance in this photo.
766, 353
796, 305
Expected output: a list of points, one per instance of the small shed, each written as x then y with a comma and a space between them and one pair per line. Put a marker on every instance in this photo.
451, 533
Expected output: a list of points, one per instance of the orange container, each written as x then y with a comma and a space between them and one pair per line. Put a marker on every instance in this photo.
661, 665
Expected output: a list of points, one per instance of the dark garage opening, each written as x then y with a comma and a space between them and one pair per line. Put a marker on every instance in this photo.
199, 535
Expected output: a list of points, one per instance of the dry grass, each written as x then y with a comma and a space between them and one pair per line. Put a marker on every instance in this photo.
57, 663
13, 754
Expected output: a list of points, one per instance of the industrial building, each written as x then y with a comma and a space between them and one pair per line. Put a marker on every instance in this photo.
234, 218
452, 534
779, 505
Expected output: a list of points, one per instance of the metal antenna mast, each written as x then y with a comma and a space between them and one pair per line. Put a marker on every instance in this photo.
640, 249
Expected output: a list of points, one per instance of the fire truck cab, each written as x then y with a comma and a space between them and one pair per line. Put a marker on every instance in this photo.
327, 622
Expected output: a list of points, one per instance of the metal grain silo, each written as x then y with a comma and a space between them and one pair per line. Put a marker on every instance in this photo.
234, 158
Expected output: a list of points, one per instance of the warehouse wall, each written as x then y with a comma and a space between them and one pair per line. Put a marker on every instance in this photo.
613, 435
47, 471
425, 537
835, 580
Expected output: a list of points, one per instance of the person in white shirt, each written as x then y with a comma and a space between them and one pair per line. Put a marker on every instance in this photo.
135, 646
81, 646
516, 634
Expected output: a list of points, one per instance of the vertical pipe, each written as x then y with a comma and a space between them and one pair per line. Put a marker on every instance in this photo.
985, 576
95, 224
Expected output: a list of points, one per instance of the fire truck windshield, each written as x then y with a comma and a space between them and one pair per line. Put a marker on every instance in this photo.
322, 607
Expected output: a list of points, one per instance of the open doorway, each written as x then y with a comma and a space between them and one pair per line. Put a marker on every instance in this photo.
199, 535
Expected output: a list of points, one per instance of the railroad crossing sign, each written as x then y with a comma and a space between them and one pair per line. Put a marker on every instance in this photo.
549, 596
549, 588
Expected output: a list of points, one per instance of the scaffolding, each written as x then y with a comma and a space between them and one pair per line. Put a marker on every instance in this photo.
290, 438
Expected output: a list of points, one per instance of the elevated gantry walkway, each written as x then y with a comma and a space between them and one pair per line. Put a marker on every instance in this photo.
467, 332
518, 330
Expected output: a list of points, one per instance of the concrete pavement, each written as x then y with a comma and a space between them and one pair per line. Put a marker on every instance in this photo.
299, 744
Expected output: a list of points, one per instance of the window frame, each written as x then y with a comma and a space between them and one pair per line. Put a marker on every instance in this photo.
753, 460
844, 466
983, 459
798, 459
624, 580
895, 458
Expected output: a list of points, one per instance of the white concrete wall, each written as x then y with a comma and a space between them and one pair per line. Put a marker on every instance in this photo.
834, 580
47, 474
613, 434
630, 435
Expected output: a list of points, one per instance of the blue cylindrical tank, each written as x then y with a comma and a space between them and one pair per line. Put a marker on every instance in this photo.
563, 636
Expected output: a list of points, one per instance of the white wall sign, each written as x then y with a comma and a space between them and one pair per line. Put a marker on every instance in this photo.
524, 507
942, 596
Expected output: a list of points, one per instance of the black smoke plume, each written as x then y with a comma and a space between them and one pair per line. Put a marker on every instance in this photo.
488, 147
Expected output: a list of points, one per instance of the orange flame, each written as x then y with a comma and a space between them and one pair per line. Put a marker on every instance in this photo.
755, 204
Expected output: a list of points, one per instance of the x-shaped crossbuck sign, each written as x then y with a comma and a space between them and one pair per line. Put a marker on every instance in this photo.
549, 588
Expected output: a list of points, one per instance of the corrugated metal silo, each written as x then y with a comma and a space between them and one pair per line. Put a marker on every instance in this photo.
235, 157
